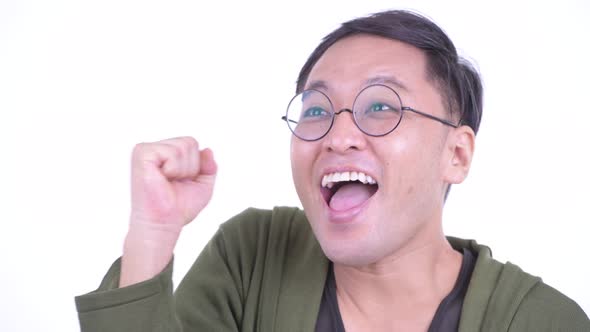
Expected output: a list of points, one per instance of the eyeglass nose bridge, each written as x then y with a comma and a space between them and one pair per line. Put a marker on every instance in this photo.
344, 110
354, 120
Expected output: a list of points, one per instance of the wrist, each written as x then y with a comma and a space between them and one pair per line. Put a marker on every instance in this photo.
147, 250
150, 234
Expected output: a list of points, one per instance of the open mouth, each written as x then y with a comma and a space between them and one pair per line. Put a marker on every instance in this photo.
345, 190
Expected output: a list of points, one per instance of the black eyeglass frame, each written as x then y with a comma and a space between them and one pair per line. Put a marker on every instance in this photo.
333, 117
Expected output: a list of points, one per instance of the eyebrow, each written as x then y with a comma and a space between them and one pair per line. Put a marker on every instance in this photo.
386, 80
380, 79
317, 85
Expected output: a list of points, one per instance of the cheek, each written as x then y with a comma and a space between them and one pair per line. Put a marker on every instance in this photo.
301, 162
398, 158
408, 166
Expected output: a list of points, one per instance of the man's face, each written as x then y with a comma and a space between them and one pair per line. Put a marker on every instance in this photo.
359, 224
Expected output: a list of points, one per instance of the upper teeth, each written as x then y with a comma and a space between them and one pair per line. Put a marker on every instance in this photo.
329, 179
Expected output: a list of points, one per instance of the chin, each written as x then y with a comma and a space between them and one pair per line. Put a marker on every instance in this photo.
344, 255
360, 244
352, 249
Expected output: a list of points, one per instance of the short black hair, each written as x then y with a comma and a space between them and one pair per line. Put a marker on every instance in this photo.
457, 79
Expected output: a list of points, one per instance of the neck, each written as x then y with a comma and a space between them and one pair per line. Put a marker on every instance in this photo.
407, 285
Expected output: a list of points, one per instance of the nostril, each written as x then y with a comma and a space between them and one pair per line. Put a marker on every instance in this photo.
336, 147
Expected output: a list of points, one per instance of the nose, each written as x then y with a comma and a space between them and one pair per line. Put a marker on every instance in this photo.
344, 136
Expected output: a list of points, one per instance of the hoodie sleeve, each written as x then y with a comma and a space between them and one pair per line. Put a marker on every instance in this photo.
211, 303
145, 306
210, 297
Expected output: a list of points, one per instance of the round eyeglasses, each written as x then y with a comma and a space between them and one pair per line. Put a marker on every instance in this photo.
377, 110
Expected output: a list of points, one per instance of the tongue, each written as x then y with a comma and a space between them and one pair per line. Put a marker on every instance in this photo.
350, 195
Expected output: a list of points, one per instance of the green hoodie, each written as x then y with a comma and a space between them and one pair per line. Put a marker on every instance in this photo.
265, 271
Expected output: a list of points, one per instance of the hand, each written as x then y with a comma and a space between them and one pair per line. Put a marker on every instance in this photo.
171, 182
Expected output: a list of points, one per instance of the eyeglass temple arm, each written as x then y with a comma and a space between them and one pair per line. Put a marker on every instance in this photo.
284, 118
432, 117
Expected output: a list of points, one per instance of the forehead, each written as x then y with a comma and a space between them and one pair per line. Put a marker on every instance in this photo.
357, 60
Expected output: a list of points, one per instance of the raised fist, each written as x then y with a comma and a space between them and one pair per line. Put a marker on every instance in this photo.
171, 181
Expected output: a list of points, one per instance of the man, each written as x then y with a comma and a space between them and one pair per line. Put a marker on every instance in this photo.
383, 123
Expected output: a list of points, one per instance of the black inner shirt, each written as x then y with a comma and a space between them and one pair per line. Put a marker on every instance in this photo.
446, 318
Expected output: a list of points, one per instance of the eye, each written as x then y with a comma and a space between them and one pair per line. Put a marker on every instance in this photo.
314, 112
379, 107
380, 110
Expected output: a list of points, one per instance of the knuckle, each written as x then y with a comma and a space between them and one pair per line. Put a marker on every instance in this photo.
139, 146
191, 140
190, 143
139, 149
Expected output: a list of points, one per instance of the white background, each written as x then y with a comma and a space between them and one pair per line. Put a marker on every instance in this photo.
82, 81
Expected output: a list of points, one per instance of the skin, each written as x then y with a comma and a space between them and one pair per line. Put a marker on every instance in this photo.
392, 262
171, 182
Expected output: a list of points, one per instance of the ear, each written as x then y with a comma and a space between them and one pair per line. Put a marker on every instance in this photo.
458, 154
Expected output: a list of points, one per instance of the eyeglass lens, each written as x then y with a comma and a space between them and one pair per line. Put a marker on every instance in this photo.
377, 111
